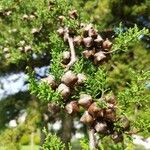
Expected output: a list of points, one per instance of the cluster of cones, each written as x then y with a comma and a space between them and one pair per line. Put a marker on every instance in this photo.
68, 82
95, 47
101, 118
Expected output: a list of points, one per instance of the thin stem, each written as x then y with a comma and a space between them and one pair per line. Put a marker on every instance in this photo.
92, 139
72, 50
111, 51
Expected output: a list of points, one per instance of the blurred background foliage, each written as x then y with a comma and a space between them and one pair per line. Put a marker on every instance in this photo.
25, 28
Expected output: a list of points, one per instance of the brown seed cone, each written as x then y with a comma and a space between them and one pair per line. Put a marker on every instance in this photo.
94, 110
61, 18
85, 100
77, 40
27, 48
93, 33
107, 44
111, 106
69, 78
35, 30
81, 78
87, 118
53, 108
117, 137
51, 81
110, 115
110, 98
66, 57
64, 90
100, 114
82, 25
99, 57
21, 49
125, 123
88, 27
98, 41
86, 30
73, 14
101, 127
32, 17
61, 31
25, 17
88, 42
72, 107
6, 50
88, 53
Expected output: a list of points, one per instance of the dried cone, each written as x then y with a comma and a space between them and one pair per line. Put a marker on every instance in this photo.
22, 43
111, 106
61, 31
21, 49
88, 41
94, 110
61, 18
98, 41
117, 137
88, 53
93, 33
82, 25
51, 81
86, 30
25, 16
100, 114
110, 115
72, 107
88, 27
99, 57
66, 57
69, 78
107, 44
71, 32
125, 123
77, 40
7, 55
35, 30
64, 90
73, 14
6, 50
53, 108
110, 98
101, 127
81, 78
85, 100
27, 48
32, 17
87, 118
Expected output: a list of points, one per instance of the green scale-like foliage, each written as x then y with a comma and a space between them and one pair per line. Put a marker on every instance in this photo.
18, 19
131, 97
52, 142
134, 100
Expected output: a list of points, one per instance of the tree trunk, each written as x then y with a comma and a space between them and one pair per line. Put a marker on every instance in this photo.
67, 126
92, 139
32, 141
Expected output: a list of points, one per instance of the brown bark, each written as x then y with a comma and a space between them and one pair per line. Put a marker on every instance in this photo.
67, 126
92, 139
